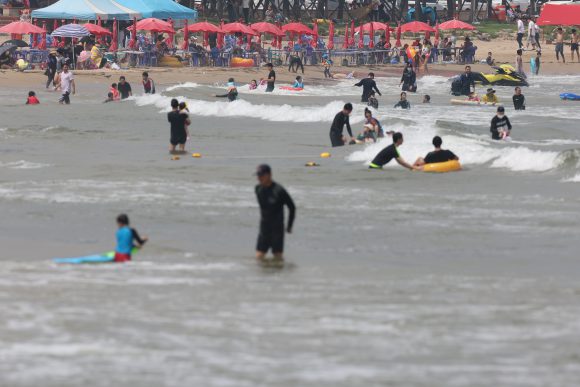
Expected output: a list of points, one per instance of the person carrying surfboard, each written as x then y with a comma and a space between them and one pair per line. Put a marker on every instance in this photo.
126, 236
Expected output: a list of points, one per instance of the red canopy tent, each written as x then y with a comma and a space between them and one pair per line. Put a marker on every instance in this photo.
55, 40
416, 26
96, 30
154, 25
388, 38
297, 28
20, 28
185, 45
351, 40
361, 42
455, 25
560, 15
171, 37
372, 36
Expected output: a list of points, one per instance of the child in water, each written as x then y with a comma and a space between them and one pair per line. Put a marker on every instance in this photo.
426, 98
327, 64
115, 91
298, 83
125, 237
253, 85
473, 97
403, 103
109, 98
232, 91
32, 100
373, 101
184, 110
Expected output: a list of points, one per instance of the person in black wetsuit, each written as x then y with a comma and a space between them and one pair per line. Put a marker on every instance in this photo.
500, 125
178, 131
467, 81
437, 156
272, 198
519, 99
409, 79
368, 85
389, 153
340, 120
271, 81
232, 92
403, 103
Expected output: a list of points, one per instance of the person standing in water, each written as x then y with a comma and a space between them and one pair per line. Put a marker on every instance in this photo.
403, 103
148, 84
271, 80
340, 120
178, 122
126, 236
560, 44
574, 39
520, 64
500, 125
467, 82
272, 198
389, 153
124, 88
67, 85
368, 85
408, 79
519, 99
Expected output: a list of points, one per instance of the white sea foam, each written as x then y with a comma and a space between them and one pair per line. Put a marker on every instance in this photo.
23, 164
186, 85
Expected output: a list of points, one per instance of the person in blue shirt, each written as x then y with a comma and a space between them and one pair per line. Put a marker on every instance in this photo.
125, 237
298, 83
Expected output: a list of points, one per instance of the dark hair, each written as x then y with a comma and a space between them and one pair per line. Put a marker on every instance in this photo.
368, 111
437, 142
372, 74
253, 80
348, 106
231, 80
182, 105
145, 74
174, 103
122, 77
466, 67
114, 85
427, 97
403, 92
500, 109
123, 219
31, 93
397, 136
269, 65
110, 95
519, 51
573, 30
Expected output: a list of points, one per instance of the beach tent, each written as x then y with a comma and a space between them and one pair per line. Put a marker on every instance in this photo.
160, 9
560, 15
86, 10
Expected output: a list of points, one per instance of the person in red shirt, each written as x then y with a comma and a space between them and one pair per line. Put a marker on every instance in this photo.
32, 100
115, 91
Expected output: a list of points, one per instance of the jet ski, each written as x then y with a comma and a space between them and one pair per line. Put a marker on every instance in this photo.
505, 75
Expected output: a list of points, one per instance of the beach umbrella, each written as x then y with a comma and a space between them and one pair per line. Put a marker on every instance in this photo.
133, 42
34, 37
233, 28
376, 26
388, 37
15, 42
330, 44
351, 40
455, 25
185, 45
42, 44
54, 27
114, 43
171, 35
398, 42
153, 25
20, 28
345, 43
297, 28
314, 41
220, 38
96, 30
416, 26
427, 35
361, 35
436, 42
74, 31
202, 27
266, 28
372, 36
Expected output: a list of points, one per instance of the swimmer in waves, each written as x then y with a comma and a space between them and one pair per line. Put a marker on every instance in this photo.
437, 156
501, 126
232, 91
391, 152
372, 129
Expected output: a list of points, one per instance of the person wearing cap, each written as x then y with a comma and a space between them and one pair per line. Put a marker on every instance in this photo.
368, 85
490, 97
271, 80
272, 198
500, 125
389, 153
51, 64
437, 156
340, 120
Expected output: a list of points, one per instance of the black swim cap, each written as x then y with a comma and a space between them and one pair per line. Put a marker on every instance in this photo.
263, 169
500, 109
348, 106
437, 142
174, 103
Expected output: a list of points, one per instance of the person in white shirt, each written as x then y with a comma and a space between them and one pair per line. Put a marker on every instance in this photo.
537, 33
531, 34
67, 85
521, 30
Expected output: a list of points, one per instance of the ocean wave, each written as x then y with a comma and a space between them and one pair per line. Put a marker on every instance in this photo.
23, 164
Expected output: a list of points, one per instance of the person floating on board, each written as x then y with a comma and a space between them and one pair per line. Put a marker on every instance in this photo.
389, 153
437, 156
368, 85
253, 85
490, 97
298, 83
148, 84
500, 125
403, 103
32, 100
340, 120
126, 237
232, 91
519, 99
272, 198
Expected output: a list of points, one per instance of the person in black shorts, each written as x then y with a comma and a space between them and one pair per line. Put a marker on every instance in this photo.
271, 81
178, 122
437, 156
389, 153
340, 120
272, 198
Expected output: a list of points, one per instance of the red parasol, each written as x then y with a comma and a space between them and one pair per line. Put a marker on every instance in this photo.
55, 40
314, 41
455, 25
42, 45
20, 28
345, 44
388, 38
99, 37
351, 40
297, 28
372, 36
398, 42
238, 28
133, 42
171, 35
416, 26
185, 45
35, 36
427, 35
377, 26
361, 34
114, 44
154, 25
267, 28
221, 37
436, 43
202, 27
96, 30
330, 44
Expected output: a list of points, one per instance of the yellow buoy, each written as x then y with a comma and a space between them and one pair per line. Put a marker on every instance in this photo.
312, 164
175, 158
325, 155
196, 155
